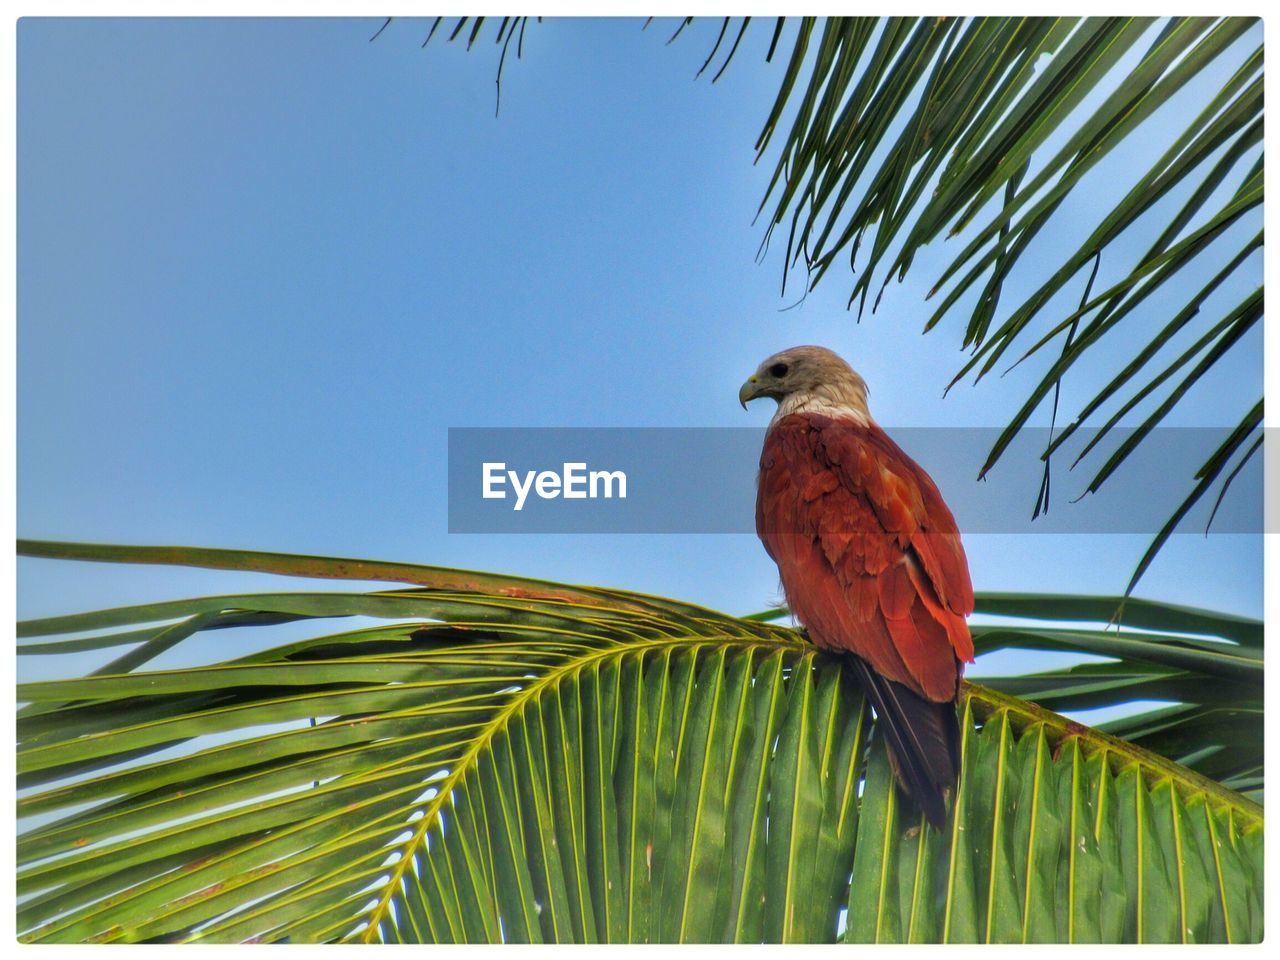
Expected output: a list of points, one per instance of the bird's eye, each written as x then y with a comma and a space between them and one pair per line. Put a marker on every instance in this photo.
778, 370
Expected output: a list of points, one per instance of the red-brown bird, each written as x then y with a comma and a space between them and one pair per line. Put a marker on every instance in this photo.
870, 559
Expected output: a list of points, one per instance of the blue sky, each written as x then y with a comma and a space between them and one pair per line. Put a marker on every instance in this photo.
265, 265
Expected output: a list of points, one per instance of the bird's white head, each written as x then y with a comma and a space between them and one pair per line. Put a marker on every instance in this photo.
809, 380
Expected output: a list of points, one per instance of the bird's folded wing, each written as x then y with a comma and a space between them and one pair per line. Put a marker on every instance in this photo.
870, 556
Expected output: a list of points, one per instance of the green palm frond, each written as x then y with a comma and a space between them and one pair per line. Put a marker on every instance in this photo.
498, 759
913, 130
894, 133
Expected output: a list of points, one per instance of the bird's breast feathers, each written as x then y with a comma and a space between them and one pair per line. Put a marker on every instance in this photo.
870, 556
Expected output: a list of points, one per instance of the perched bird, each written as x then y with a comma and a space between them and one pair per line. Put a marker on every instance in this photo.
870, 559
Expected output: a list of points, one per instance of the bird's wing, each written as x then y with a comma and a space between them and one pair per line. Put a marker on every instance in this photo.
870, 556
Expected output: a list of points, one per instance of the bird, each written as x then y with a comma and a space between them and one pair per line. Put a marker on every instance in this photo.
870, 560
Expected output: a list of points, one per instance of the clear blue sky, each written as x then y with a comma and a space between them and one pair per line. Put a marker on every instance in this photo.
264, 265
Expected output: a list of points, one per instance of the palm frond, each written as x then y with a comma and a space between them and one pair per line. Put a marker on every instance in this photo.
938, 123
508, 760
894, 133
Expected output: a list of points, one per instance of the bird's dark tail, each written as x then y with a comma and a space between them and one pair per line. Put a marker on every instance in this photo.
923, 737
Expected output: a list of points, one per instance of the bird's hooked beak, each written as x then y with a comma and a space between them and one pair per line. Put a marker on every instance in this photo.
759, 385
